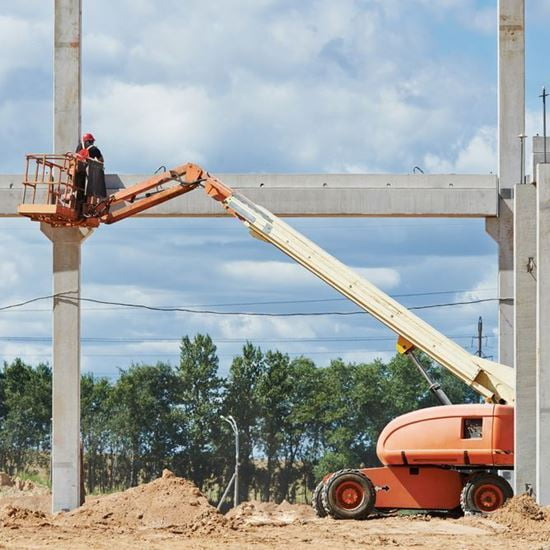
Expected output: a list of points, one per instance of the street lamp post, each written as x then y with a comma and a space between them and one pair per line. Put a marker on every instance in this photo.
235, 479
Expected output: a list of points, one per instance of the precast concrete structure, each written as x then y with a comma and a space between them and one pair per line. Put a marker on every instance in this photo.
521, 261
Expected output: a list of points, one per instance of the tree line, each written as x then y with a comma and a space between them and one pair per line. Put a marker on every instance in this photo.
297, 421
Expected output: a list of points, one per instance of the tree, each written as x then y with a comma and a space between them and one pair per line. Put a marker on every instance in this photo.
300, 429
274, 388
25, 431
199, 398
242, 402
143, 421
96, 402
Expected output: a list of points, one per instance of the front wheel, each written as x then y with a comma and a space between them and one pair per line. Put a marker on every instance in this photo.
349, 494
485, 493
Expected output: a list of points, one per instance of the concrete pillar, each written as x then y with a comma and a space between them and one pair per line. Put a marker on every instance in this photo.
67, 78
538, 152
66, 365
543, 330
66, 268
511, 123
525, 283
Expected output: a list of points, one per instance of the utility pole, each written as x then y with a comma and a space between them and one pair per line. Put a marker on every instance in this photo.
522, 162
479, 336
235, 478
544, 95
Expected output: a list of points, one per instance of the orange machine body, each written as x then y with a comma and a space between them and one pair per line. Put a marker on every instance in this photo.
428, 454
416, 488
463, 436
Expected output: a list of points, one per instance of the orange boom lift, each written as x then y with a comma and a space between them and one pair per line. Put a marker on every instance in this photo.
439, 458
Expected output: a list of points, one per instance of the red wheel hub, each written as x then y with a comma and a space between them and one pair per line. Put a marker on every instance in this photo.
488, 497
349, 494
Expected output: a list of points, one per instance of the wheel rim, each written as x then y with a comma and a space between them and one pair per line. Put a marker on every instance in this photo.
349, 494
488, 497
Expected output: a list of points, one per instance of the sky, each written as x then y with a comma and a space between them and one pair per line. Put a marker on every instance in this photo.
261, 86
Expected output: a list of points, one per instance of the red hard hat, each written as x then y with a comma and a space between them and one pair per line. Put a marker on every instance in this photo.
88, 137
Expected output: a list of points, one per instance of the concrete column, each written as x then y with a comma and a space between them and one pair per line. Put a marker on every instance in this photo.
67, 78
538, 152
543, 330
66, 268
66, 365
525, 283
511, 123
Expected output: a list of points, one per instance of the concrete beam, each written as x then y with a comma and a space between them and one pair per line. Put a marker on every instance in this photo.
543, 329
525, 284
445, 195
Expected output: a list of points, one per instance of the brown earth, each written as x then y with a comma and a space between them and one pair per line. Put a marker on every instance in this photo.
171, 512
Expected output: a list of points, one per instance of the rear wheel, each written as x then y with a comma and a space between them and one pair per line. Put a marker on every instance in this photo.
485, 493
349, 494
317, 501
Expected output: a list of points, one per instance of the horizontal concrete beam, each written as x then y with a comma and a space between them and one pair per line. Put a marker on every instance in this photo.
321, 195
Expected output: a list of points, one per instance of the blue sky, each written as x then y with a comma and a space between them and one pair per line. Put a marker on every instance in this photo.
262, 86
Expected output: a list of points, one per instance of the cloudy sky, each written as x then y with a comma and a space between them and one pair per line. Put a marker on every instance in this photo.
261, 86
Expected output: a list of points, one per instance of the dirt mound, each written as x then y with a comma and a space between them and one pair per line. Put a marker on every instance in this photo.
15, 486
269, 513
169, 502
13, 516
520, 512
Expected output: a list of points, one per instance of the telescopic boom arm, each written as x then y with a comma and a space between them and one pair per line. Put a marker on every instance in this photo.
495, 382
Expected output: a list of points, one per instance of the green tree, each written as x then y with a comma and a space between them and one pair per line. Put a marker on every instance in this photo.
96, 401
200, 398
300, 429
242, 402
274, 389
144, 423
25, 431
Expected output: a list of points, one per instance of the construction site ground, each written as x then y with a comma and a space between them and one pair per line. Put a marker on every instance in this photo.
171, 512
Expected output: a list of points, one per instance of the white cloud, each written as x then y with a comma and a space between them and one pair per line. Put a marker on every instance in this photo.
478, 155
283, 274
23, 43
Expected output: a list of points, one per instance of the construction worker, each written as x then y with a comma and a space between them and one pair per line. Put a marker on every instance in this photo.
90, 190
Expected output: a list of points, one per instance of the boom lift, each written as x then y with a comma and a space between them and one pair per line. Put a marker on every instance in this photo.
438, 458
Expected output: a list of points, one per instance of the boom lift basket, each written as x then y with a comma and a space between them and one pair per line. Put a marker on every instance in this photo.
50, 190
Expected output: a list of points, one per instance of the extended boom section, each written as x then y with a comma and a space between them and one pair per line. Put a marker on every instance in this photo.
495, 382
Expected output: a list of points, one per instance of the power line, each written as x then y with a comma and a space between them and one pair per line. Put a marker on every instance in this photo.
272, 302
69, 297
143, 340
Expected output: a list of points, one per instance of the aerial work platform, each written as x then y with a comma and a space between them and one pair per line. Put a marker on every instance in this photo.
54, 194
50, 193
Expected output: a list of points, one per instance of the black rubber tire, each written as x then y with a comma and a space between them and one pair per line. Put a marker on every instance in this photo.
317, 501
355, 482
497, 488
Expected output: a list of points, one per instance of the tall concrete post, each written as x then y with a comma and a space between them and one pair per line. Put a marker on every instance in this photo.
66, 366
511, 123
543, 330
525, 311
66, 268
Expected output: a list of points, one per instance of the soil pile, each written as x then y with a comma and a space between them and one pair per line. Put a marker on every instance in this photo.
14, 517
15, 486
269, 513
522, 512
170, 503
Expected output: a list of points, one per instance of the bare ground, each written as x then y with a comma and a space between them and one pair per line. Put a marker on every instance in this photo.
172, 513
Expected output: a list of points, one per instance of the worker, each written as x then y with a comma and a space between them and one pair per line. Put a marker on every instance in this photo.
90, 190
